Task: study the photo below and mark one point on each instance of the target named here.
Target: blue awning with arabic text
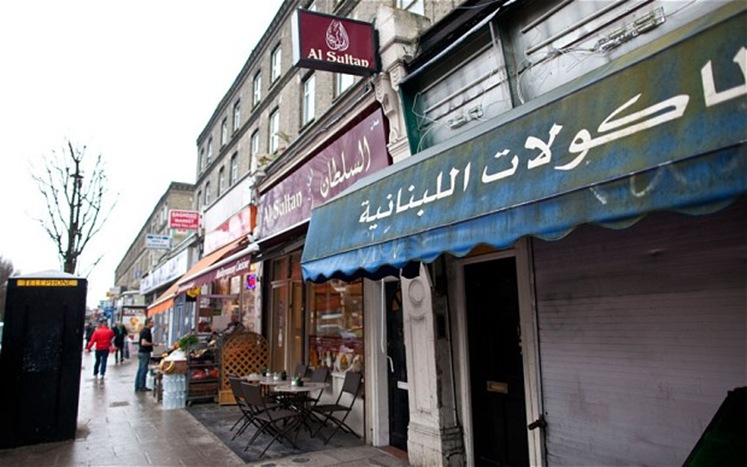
(662, 128)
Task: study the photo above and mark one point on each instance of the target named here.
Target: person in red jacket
(102, 338)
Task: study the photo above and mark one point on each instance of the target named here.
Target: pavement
(119, 427)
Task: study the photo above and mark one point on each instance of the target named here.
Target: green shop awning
(662, 128)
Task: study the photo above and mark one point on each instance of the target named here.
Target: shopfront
(570, 226)
(317, 324)
(224, 292)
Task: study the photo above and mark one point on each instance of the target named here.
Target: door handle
(539, 423)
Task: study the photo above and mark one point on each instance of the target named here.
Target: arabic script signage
(331, 43)
(683, 102)
(357, 153)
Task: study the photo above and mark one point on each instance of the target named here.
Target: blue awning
(662, 128)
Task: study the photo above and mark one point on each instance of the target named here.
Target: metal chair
(246, 411)
(301, 370)
(327, 412)
(276, 421)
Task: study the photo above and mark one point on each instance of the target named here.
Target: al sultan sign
(331, 43)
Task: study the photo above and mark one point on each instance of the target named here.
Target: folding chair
(246, 411)
(326, 412)
(276, 421)
(301, 370)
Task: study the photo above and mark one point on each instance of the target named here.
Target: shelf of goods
(203, 380)
(243, 352)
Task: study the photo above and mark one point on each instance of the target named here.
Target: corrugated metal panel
(642, 333)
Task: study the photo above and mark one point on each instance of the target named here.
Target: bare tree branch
(75, 202)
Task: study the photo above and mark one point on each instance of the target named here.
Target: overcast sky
(135, 81)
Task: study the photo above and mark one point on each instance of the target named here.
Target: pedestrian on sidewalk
(88, 333)
(145, 342)
(102, 338)
(119, 341)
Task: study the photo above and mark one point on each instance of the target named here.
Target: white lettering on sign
(237, 268)
(344, 59)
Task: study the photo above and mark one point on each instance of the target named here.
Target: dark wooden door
(399, 411)
(496, 368)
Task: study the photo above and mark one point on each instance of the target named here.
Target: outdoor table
(297, 397)
(265, 382)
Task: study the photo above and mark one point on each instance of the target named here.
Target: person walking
(119, 341)
(88, 332)
(145, 342)
(102, 338)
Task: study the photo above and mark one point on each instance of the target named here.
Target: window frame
(276, 63)
(221, 181)
(224, 131)
(257, 88)
(308, 99)
(340, 79)
(233, 174)
(236, 115)
(274, 131)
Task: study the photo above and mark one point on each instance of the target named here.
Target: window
(199, 200)
(236, 116)
(413, 6)
(274, 129)
(209, 151)
(221, 182)
(308, 107)
(234, 169)
(207, 194)
(223, 132)
(254, 150)
(255, 143)
(343, 81)
(336, 325)
(201, 161)
(275, 64)
(257, 88)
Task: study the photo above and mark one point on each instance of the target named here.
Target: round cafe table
(297, 399)
(266, 382)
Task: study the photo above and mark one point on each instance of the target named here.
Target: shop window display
(336, 326)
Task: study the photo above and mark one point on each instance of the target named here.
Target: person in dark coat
(88, 332)
(119, 342)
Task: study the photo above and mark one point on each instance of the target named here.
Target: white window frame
(224, 131)
(201, 160)
(308, 104)
(413, 6)
(221, 181)
(274, 131)
(237, 115)
(343, 82)
(209, 151)
(276, 63)
(257, 87)
(207, 194)
(254, 151)
(234, 173)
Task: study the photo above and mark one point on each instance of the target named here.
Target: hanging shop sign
(184, 220)
(332, 43)
(357, 153)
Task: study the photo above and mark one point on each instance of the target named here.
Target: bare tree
(75, 204)
(6, 271)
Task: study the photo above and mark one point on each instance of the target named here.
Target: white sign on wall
(159, 242)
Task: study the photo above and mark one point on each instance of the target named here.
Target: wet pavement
(119, 427)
